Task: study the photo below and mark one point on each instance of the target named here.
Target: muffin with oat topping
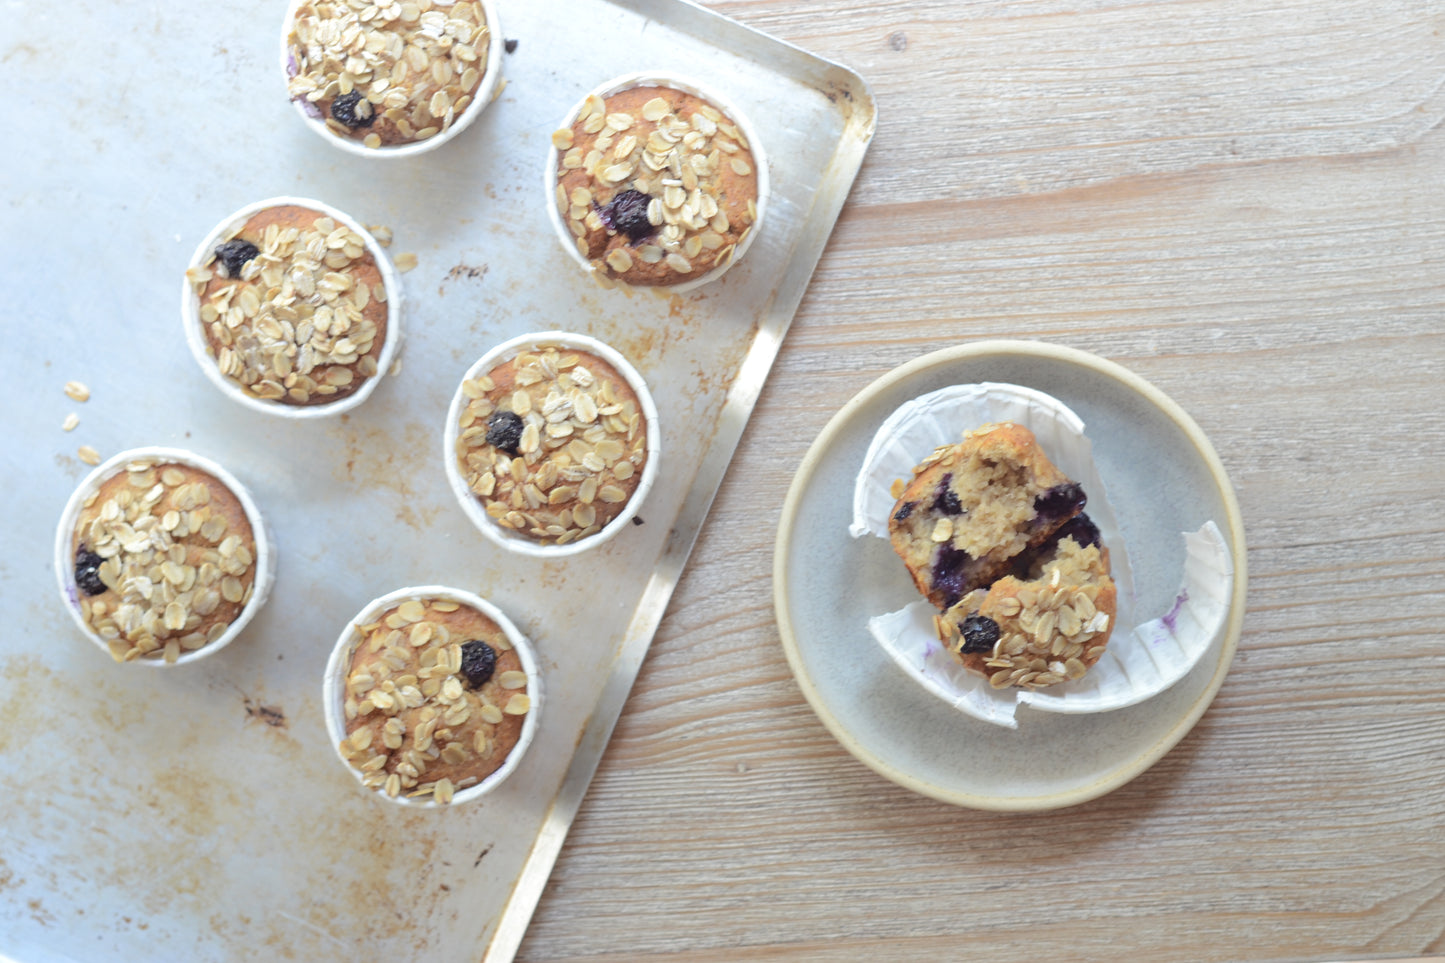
(994, 535)
(656, 183)
(432, 695)
(162, 556)
(292, 307)
(389, 78)
(1049, 622)
(552, 443)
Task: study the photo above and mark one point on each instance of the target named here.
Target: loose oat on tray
(293, 307)
(384, 73)
(553, 443)
(656, 185)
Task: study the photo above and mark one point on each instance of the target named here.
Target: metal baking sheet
(199, 813)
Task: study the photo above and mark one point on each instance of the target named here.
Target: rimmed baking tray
(200, 813)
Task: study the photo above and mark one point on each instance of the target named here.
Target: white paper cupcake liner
(504, 537)
(1141, 660)
(200, 348)
(333, 688)
(487, 91)
(265, 556)
(660, 79)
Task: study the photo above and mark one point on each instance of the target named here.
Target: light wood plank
(1242, 202)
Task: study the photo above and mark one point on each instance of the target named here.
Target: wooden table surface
(1242, 201)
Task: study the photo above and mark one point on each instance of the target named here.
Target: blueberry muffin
(1048, 623)
(390, 73)
(553, 443)
(973, 508)
(435, 699)
(293, 307)
(165, 560)
(656, 185)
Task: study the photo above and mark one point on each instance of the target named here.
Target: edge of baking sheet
(851, 94)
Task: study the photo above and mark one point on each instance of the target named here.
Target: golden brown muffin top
(293, 307)
(553, 443)
(388, 73)
(656, 185)
(172, 552)
(436, 697)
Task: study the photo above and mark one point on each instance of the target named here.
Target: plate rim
(975, 350)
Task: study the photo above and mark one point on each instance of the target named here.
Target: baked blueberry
(979, 634)
(234, 254)
(87, 571)
(945, 500)
(950, 573)
(626, 213)
(1081, 529)
(903, 512)
(1061, 501)
(504, 431)
(348, 110)
(479, 661)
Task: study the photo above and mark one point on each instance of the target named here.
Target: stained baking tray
(198, 813)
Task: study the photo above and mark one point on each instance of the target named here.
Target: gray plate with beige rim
(199, 812)
(1163, 479)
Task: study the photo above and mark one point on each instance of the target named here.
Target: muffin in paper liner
(488, 87)
(454, 437)
(263, 560)
(1142, 658)
(198, 274)
(603, 271)
(335, 692)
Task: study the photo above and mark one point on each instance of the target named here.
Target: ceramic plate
(1163, 477)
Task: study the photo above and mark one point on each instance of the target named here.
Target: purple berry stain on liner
(1172, 619)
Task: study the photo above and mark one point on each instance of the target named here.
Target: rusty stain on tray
(273, 716)
(461, 272)
(376, 460)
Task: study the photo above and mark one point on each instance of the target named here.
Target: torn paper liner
(1141, 661)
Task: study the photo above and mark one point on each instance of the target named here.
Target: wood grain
(1243, 202)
